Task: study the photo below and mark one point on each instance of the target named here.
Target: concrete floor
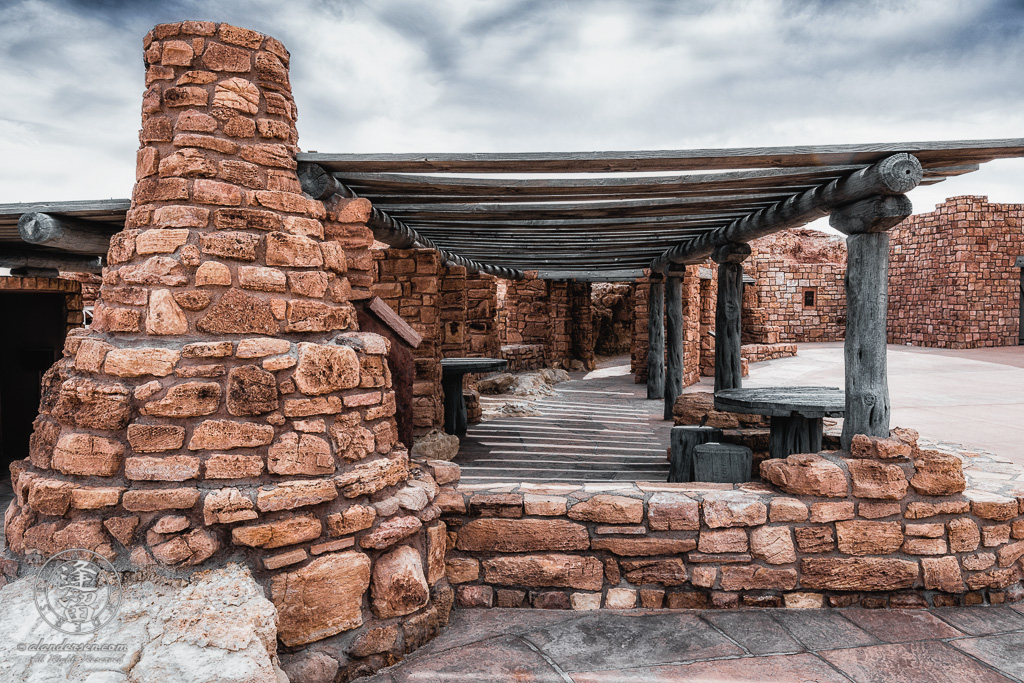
(949, 645)
(973, 397)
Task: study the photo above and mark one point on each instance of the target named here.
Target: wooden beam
(322, 185)
(526, 188)
(656, 339)
(728, 312)
(65, 233)
(621, 275)
(70, 263)
(894, 175)
(387, 315)
(659, 206)
(867, 289)
(673, 342)
(933, 153)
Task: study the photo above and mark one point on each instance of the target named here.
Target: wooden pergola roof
(591, 225)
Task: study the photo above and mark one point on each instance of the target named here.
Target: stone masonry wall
(555, 316)
(408, 280)
(786, 267)
(886, 525)
(223, 405)
(952, 280)
(481, 316)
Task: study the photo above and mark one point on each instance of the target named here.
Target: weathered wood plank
(389, 317)
(622, 275)
(71, 263)
(939, 153)
(656, 339)
(673, 342)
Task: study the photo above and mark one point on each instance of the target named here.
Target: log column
(674, 338)
(867, 291)
(656, 338)
(728, 364)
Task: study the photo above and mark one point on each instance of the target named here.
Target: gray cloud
(527, 75)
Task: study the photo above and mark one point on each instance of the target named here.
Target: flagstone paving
(955, 645)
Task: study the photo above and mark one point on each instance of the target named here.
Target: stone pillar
(224, 404)
(656, 338)
(673, 339)
(867, 288)
(728, 314)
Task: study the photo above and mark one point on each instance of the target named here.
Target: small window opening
(808, 298)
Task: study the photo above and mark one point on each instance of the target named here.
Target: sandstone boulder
(938, 474)
(399, 586)
(215, 627)
(805, 474)
(436, 446)
(321, 599)
(876, 480)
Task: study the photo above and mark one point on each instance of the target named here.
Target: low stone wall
(753, 353)
(886, 525)
(523, 357)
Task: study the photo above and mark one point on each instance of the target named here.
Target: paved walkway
(599, 426)
(954, 645)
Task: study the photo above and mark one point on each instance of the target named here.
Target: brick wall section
(408, 280)
(905, 537)
(708, 298)
(453, 304)
(223, 403)
(952, 283)
(72, 290)
(481, 316)
(555, 316)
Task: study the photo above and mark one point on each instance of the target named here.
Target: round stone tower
(224, 406)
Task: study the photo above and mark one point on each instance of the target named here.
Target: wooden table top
(784, 401)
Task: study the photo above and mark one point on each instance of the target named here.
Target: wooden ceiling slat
(946, 153)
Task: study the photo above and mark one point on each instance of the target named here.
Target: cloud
(532, 75)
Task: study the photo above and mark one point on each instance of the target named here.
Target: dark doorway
(32, 329)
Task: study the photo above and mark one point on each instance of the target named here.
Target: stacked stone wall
(408, 280)
(952, 279)
(888, 524)
(453, 300)
(481, 316)
(555, 316)
(798, 294)
(223, 405)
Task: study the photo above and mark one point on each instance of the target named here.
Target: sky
(532, 75)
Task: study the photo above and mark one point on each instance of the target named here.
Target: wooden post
(728, 311)
(674, 340)
(867, 291)
(656, 338)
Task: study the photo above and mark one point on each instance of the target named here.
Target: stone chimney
(224, 406)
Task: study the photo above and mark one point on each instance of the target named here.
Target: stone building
(234, 400)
